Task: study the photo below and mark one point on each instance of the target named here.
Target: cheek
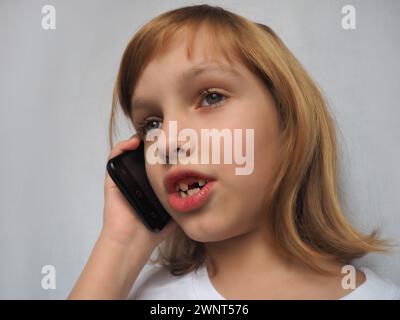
(265, 159)
(240, 199)
(244, 192)
(154, 172)
(261, 156)
(266, 146)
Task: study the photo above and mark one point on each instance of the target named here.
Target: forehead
(187, 54)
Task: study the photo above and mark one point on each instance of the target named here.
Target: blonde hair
(304, 213)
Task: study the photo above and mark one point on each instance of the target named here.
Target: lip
(192, 202)
(174, 176)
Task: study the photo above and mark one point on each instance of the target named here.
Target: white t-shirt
(156, 283)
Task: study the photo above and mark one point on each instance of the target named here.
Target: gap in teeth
(189, 193)
(190, 186)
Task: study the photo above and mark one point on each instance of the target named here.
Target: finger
(131, 144)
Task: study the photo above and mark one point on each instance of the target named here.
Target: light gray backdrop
(55, 96)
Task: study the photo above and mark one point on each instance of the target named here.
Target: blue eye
(212, 97)
(147, 125)
(150, 124)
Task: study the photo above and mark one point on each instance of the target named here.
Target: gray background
(55, 96)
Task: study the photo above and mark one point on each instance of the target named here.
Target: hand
(121, 222)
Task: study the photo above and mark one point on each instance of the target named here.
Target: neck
(253, 251)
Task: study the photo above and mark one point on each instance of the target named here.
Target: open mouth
(188, 190)
(190, 186)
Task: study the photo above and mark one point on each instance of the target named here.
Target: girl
(277, 233)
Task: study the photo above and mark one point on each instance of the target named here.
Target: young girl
(277, 233)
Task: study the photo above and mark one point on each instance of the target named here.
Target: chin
(206, 232)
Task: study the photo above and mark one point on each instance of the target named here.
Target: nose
(169, 152)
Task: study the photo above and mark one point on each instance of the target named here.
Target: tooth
(193, 191)
(202, 182)
(183, 194)
(177, 188)
(183, 186)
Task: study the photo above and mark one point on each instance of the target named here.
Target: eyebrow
(203, 68)
(186, 76)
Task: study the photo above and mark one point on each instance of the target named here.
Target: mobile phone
(128, 172)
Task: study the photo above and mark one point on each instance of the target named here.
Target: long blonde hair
(302, 208)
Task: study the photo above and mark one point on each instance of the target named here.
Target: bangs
(220, 40)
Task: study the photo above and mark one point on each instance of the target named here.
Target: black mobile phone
(128, 172)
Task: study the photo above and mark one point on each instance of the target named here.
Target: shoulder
(375, 287)
(155, 282)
